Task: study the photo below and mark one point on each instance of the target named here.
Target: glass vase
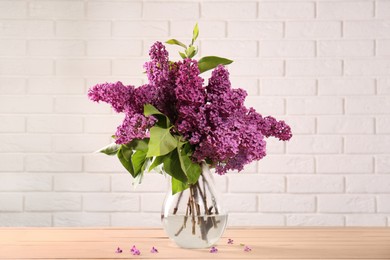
(194, 218)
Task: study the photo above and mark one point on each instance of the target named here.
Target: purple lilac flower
(213, 250)
(130, 101)
(219, 82)
(213, 118)
(157, 69)
(134, 126)
(269, 126)
(247, 249)
(230, 241)
(190, 96)
(165, 100)
(153, 250)
(134, 250)
(115, 94)
(118, 250)
(162, 76)
(231, 137)
(145, 94)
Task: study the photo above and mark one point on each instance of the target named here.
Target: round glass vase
(194, 218)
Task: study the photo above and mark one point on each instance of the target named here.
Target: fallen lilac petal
(230, 241)
(247, 249)
(133, 249)
(153, 250)
(136, 252)
(213, 250)
(118, 250)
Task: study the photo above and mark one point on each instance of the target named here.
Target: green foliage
(124, 155)
(178, 186)
(172, 166)
(138, 144)
(190, 52)
(161, 141)
(133, 156)
(210, 62)
(138, 160)
(151, 110)
(195, 33)
(163, 120)
(157, 161)
(183, 55)
(191, 170)
(110, 149)
(176, 42)
(164, 149)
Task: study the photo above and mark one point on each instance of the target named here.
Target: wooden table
(266, 243)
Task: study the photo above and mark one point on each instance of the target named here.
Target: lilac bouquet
(178, 122)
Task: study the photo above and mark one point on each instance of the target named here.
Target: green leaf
(190, 52)
(125, 160)
(126, 153)
(178, 186)
(151, 110)
(176, 42)
(138, 160)
(138, 144)
(157, 161)
(161, 141)
(195, 33)
(110, 149)
(173, 168)
(163, 120)
(210, 62)
(191, 169)
(182, 55)
(193, 53)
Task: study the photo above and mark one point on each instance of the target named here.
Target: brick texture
(323, 66)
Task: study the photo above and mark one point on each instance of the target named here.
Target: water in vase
(200, 232)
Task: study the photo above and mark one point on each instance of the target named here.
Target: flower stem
(204, 219)
(177, 203)
(192, 203)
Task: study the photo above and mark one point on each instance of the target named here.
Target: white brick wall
(322, 65)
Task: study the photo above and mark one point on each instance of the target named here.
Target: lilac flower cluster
(162, 80)
(212, 118)
(215, 120)
(116, 94)
(129, 100)
(190, 101)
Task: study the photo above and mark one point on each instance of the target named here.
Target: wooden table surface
(266, 243)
